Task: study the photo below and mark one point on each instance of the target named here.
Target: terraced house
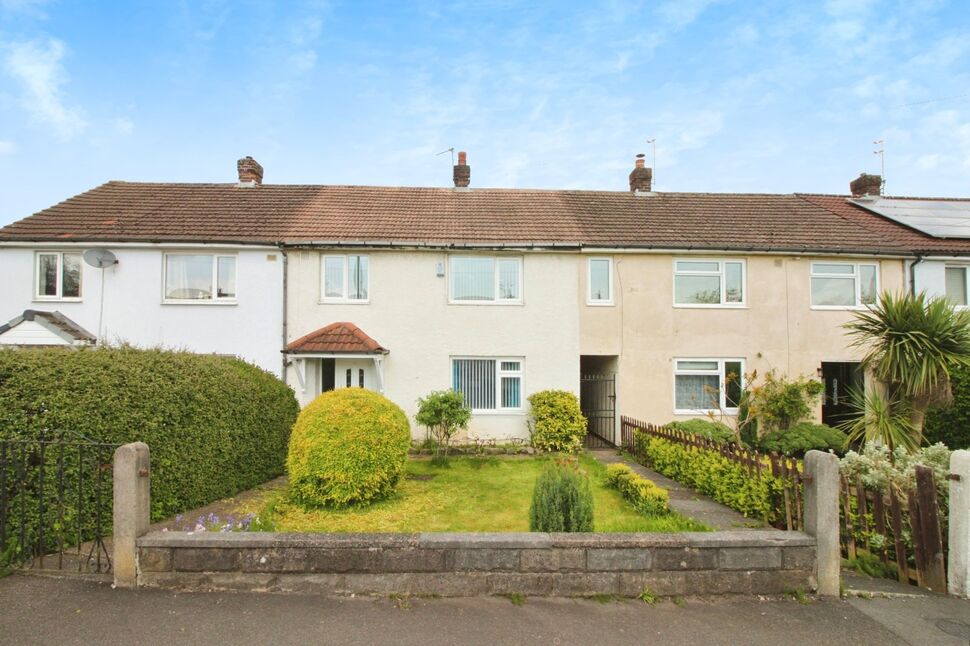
(641, 302)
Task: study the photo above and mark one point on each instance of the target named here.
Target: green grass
(471, 494)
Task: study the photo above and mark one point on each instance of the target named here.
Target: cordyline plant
(911, 344)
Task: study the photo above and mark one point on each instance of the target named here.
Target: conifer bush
(348, 447)
(562, 500)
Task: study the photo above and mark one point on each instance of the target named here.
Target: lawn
(471, 494)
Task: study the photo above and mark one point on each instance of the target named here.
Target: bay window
(705, 385)
(488, 384)
(58, 276)
(485, 279)
(201, 278)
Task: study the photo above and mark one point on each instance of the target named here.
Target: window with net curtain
(844, 284)
(707, 384)
(346, 278)
(956, 285)
(200, 277)
(58, 275)
(488, 384)
(485, 279)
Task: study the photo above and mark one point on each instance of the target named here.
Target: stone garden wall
(454, 565)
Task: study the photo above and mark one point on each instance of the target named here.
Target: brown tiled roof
(124, 211)
(911, 239)
(337, 338)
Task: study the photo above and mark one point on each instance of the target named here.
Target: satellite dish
(100, 258)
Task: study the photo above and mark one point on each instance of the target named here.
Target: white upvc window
(485, 279)
(489, 384)
(956, 285)
(57, 276)
(844, 285)
(599, 281)
(707, 282)
(707, 385)
(199, 278)
(345, 279)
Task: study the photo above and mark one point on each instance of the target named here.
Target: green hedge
(713, 475)
(951, 424)
(803, 437)
(645, 496)
(709, 429)
(215, 425)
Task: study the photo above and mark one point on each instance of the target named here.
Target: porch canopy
(340, 340)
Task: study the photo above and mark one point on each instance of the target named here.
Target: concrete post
(131, 509)
(822, 518)
(959, 543)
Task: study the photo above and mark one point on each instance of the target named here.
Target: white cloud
(680, 13)
(27, 6)
(124, 125)
(38, 67)
(7, 147)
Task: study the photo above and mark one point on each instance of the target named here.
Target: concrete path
(685, 500)
(35, 610)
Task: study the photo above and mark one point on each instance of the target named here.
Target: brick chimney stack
(866, 184)
(249, 171)
(462, 172)
(641, 177)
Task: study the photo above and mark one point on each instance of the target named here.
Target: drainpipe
(283, 348)
(912, 274)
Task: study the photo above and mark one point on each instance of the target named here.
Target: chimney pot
(641, 177)
(462, 172)
(250, 171)
(866, 184)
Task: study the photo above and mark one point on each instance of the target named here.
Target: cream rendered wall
(777, 328)
(408, 313)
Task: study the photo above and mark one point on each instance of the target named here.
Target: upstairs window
(599, 278)
(839, 285)
(345, 279)
(200, 278)
(956, 285)
(702, 283)
(483, 279)
(58, 276)
(703, 385)
(488, 384)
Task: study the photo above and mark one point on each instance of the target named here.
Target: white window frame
(345, 288)
(215, 299)
(499, 373)
(495, 300)
(966, 272)
(722, 392)
(722, 273)
(60, 277)
(858, 305)
(607, 302)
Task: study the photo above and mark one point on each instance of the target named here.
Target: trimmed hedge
(804, 437)
(645, 496)
(951, 424)
(713, 475)
(711, 430)
(562, 501)
(215, 425)
(349, 446)
(558, 422)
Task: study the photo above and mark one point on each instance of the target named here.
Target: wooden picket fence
(904, 529)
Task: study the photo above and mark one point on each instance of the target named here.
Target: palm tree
(911, 344)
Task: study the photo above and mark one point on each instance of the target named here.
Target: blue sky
(741, 96)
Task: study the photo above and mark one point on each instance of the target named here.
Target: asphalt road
(36, 610)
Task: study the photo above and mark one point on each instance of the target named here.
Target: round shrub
(804, 437)
(215, 425)
(705, 428)
(562, 501)
(349, 446)
(558, 424)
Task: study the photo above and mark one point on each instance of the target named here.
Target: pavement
(42, 610)
(683, 499)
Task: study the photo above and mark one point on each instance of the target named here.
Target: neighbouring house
(641, 302)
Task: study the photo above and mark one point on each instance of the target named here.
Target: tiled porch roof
(336, 338)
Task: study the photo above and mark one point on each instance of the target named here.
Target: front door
(327, 376)
(840, 379)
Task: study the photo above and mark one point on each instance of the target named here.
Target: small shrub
(349, 446)
(562, 501)
(804, 437)
(778, 403)
(443, 412)
(645, 496)
(711, 430)
(557, 423)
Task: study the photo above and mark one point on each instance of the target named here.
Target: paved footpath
(684, 500)
(36, 610)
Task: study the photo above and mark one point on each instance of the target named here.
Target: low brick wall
(454, 565)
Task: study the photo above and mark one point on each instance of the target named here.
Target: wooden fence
(905, 530)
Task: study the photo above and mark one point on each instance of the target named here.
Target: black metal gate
(597, 398)
(55, 503)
